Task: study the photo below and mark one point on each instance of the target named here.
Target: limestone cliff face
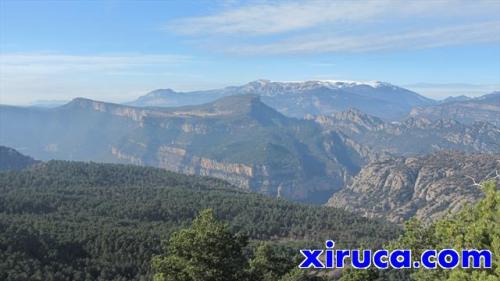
(426, 187)
(127, 158)
(272, 181)
(252, 177)
(135, 114)
(179, 160)
(237, 138)
(241, 140)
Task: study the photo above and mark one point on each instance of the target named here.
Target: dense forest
(64, 220)
(209, 251)
(85, 221)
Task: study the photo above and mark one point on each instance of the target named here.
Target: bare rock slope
(425, 187)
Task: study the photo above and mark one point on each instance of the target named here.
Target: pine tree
(207, 251)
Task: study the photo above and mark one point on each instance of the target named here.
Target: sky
(118, 50)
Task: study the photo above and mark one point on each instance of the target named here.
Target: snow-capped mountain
(300, 98)
(270, 88)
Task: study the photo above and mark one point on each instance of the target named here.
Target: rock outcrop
(425, 187)
(238, 138)
(485, 108)
(415, 135)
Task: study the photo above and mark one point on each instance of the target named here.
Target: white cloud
(334, 26)
(437, 37)
(276, 18)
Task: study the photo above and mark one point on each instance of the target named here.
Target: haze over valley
(303, 141)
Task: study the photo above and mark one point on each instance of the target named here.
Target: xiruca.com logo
(331, 258)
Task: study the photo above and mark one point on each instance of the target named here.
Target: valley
(241, 139)
(282, 176)
(237, 138)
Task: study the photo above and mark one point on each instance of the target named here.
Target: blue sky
(118, 50)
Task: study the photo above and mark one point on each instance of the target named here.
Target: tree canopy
(206, 251)
(86, 221)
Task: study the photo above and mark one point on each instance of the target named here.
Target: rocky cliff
(237, 138)
(485, 108)
(415, 135)
(425, 187)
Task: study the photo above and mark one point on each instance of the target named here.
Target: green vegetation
(86, 221)
(208, 251)
(476, 227)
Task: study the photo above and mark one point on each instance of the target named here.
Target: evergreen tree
(207, 251)
(301, 275)
(268, 264)
(473, 228)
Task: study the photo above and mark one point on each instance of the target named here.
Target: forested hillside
(11, 159)
(86, 221)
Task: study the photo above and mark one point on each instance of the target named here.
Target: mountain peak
(352, 83)
(159, 97)
(79, 101)
(261, 82)
(357, 117)
(247, 105)
(11, 159)
(455, 99)
(299, 98)
(239, 103)
(491, 96)
(160, 93)
(85, 103)
(319, 83)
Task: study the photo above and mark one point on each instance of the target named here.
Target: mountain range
(237, 138)
(304, 141)
(297, 99)
(466, 110)
(414, 135)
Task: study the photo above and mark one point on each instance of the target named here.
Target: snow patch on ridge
(334, 84)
